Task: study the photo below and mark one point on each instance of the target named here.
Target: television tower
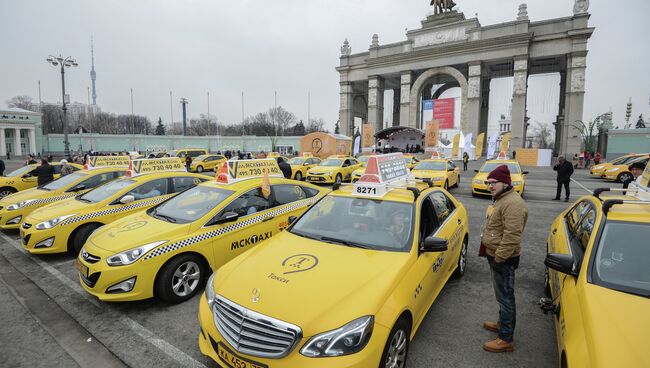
(93, 75)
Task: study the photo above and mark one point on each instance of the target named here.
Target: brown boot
(491, 326)
(498, 346)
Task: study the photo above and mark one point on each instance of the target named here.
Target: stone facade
(454, 51)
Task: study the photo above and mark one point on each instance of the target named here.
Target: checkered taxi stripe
(115, 210)
(226, 229)
(35, 202)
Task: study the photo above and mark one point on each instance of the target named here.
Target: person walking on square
(188, 162)
(465, 160)
(501, 241)
(564, 171)
(597, 158)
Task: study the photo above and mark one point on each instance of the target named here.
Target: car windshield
(20, 171)
(627, 160)
(359, 222)
(489, 166)
(172, 153)
(623, 265)
(64, 181)
(364, 159)
(331, 163)
(431, 165)
(105, 191)
(191, 204)
(296, 161)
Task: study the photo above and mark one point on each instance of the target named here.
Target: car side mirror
(433, 245)
(525, 172)
(127, 199)
(564, 263)
(450, 169)
(476, 171)
(225, 218)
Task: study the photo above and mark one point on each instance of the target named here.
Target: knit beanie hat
(502, 174)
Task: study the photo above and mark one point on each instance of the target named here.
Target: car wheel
(298, 175)
(457, 182)
(397, 346)
(199, 169)
(446, 185)
(5, 191)
(81, 235)
(180, 278)
(623, 177)
(339, 179)
(462, 261)
(547, 283)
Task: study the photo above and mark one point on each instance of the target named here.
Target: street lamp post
(64, 63)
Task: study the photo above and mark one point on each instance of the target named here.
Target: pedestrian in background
(188, 162)
(587, 159)
(30, 160)
(597, 158)
(45, 173)
(576, 161)
(564, 171)
(465, 160)
(66, 169)
(501, 241)
(284, 167)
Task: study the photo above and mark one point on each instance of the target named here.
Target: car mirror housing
(225, 218)
(434, 245)
(127, 199)
(564, 263)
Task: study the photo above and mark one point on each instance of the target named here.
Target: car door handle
(460, 221)
(554, 231)
(268, 218)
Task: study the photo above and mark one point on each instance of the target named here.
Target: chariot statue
(442, 6)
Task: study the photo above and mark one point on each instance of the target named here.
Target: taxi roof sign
(435, 155)
(502, 156)
(148, 166)
(383, 172)
(238, 170)
(97, 162)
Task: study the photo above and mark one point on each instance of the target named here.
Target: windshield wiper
(344, 242)
(80, 198)
(155, 214)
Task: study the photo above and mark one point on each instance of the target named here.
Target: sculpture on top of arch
(440, 6)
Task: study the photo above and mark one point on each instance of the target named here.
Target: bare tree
(544, 135)
(315, 125)
(282, 119)
(21, 102)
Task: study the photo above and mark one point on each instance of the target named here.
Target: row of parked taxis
(618, 168)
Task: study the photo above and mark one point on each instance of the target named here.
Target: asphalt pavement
(48, 320)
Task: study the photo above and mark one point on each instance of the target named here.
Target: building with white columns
(452, 51)
(20, 132)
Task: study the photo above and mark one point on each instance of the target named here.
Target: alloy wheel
(186, 278)
(396, 357)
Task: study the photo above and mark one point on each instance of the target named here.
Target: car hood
(326, 169)
(359, 171)
(617, 327)
(429, 173)
(61, 208)
(135, 230)
(309, 283)
(23, 195)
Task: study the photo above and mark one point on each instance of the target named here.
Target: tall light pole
(64, 63)
(209, 122)
(132, 120)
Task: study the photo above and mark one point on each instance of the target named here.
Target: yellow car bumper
(37, 241)
(10, 220)
(320, 179)
(210, 339)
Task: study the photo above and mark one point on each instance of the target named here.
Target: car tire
(623, 177)
(81, 235)
(199, 169)
(338, 179)
(462, 261)
(457, 182)
(446, 185)
(180, 278)
(547, 283)
(397, 345)
(298, 176)
(5, 191)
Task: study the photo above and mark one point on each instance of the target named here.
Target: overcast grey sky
(258, 47)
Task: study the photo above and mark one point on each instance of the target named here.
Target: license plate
(82, 268)
(234, 361)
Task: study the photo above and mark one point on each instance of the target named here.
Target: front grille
(252, 333)
(26, 225)
(26, 239)
(90, 280)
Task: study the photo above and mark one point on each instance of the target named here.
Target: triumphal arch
(453, 51)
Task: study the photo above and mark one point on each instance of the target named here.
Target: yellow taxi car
(598, 280)
(65, 226)
(518, 177)
(14, 208)
(210, 162)
(363, 160)
(192, 152)
(169, 250)
(621, 172)
(598, 170)
(444, 173)
(26, 177)
(300, 166)
(335, 169)
(411, 161)
(346, 285)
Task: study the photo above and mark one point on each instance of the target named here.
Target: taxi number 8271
(366, 190)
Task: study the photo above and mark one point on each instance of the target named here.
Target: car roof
(165, 174)
(255, 182)
(397, 195)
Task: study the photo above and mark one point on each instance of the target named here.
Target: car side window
(574, 216)
(346, 163)
(584, 230)
(150, 189)
(248, 203)
(185, 182)
(97, 180)
(428, 222)
(287, 193)
(450, 165)
(442, 206)
(315, 160)
(353, 162)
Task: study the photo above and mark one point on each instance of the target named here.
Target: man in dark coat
(564, 171)
(45, 173)
(285, 167)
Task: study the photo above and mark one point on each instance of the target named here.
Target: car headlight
(613, 170)
(439, 178)
(129, 256)
(51, 223)
(209, 290)
(477, 181)
(516, 183)
(19, 205)
(349, 339)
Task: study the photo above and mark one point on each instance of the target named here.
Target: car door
(29, 180)
(145, 195)
(450, 228)
(452, 171)
(284, 198)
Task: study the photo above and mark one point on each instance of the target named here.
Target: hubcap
(396, 357)
(199, 169)
(338, 179)
(463, 258)
(186, 278)
(5, 193)
(625, 177)
(298, 176)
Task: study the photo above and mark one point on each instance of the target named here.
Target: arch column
(376, 102)
(519, 93)
(32, 141)
(18, 151)
(3, 143)
(472, 106)
(346, 115)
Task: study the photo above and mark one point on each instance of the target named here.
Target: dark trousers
(503, 281)
(464, 166)
(566, 189)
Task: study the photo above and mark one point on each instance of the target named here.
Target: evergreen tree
(337, 128)
(160, 128)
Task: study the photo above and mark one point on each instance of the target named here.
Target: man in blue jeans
(501, 238)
